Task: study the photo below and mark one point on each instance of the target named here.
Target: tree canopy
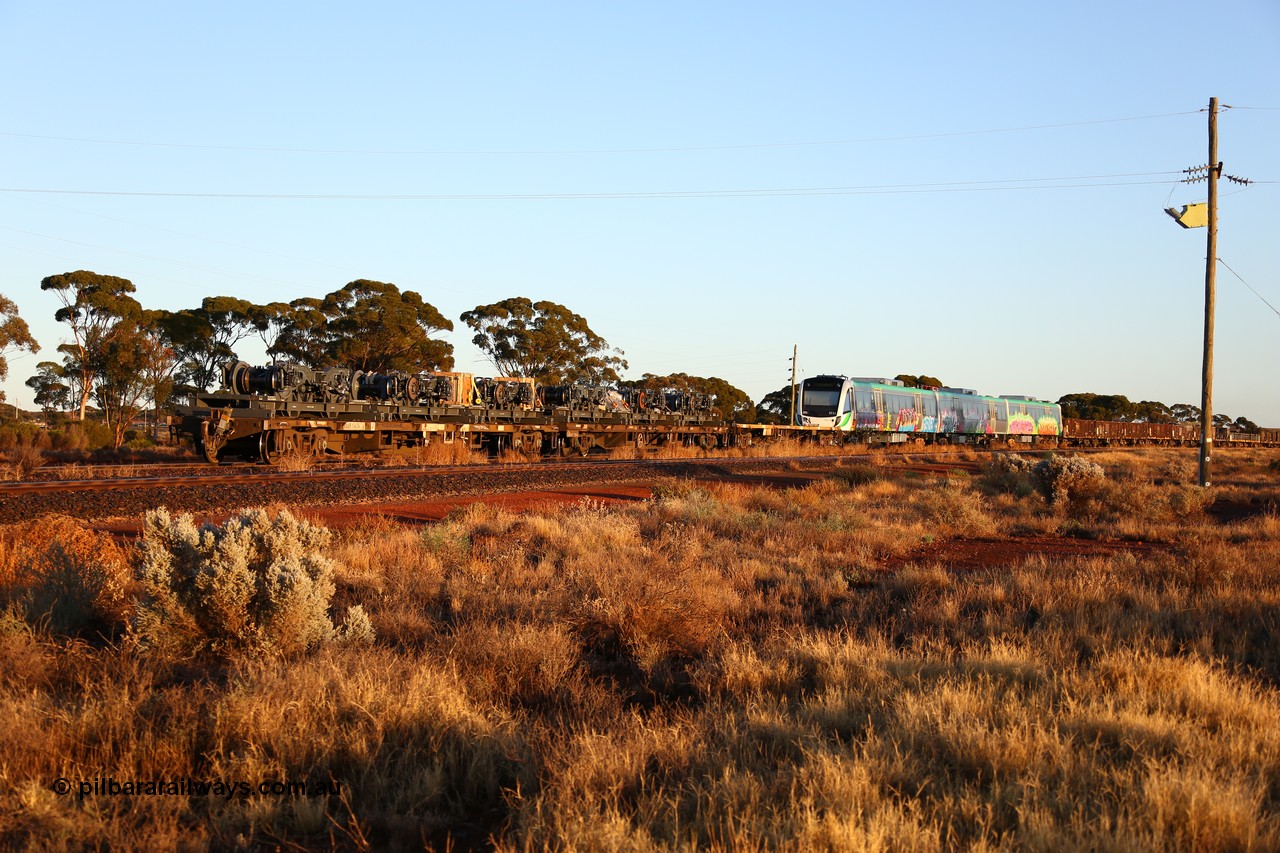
(117, 352)
(93, 306)
(921, 381)
(204, 339)
(775, 408)
(1117, 407)
(373, 326)
(366, 325)
(51, 386)
(542, 340)
(14, 335)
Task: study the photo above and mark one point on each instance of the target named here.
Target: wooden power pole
(795, 351)
(1211, 263)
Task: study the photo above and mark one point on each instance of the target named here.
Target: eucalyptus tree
(542, 340)
(15, 336)
(376, 327)
(204, 339)
(95, 307)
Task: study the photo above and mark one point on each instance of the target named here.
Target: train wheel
(273, 446)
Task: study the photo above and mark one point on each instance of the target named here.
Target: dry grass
(24, 458)
(722, 667)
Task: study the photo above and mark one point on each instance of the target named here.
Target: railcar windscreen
(819, 402)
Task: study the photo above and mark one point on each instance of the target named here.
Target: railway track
(110, 498)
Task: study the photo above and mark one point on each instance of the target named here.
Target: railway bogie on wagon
(267, 413)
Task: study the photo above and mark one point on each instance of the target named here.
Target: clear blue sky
(972, 191)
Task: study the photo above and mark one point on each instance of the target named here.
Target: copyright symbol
(61, 786)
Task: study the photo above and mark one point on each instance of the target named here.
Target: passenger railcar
(885, 410)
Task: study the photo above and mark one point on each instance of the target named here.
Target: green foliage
(775, 408)
(204, 338)
(53, 390)
(921, 381)
(252, 586)
(88, 435)
(135, 369)
(1243, 424)
(1117, 407)
(373, 326)
(16, 433)
(14, 335)
(542, 340)
(366, 325)
(116, 351)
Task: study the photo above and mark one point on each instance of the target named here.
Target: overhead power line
(574, 151)
(880, 189)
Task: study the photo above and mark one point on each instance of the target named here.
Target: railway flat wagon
(267, 414)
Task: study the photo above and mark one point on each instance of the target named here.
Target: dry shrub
(254, 585)
(858, 475)
(25, 661)
(25, 457)
(295, 462)
(675, 450)
(668, 611)
(456, 452)
(58, 571)
(1138, 504)
(1008, 473)
(952, 507)
(913, 582)
(528, 664)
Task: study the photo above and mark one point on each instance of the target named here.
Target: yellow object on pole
(1191, 215)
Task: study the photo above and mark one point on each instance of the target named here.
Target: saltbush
(256, 585)
(1058, 479)
(1009, 474)
(1064, 478)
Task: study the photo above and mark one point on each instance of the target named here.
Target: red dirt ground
(960, 554)
(419, 513)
